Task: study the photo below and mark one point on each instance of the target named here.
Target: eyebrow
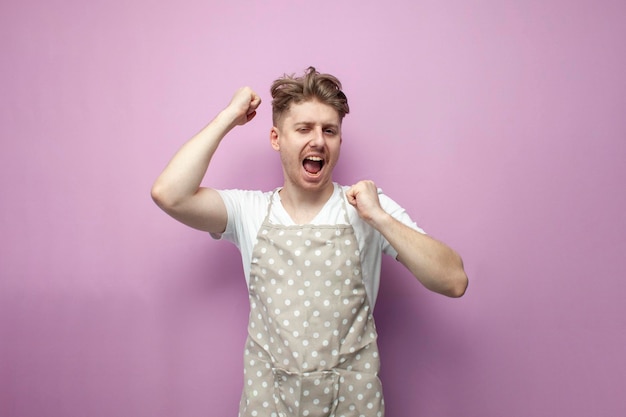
(308, 124)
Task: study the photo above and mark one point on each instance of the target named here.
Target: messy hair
(312, 85)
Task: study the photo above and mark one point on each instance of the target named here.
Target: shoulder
(234, 198)
(246, 210)
(389, 205)
(386, 202)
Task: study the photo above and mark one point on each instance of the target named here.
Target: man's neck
(303, 205)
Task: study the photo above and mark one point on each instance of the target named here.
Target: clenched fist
(364, 197)
(244, 104)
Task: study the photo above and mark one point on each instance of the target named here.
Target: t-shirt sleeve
(400, 214)
(245, 211)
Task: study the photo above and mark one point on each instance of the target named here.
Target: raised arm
(434, 264)
(177, 189)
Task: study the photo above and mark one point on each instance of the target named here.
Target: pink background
(500, 125)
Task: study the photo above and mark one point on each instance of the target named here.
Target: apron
(311, 349)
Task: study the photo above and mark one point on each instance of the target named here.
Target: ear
(274, 133)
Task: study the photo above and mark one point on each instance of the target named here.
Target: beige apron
(311, 349)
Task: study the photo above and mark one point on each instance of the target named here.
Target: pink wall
(499, 125)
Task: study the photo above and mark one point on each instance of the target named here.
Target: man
(311, 251)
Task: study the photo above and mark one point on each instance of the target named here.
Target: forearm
(434, 264)
(182, 176)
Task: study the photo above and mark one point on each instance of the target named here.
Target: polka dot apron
(311, 349)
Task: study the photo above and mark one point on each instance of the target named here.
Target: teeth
(314, 158)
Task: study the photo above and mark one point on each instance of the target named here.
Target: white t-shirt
(247, 210)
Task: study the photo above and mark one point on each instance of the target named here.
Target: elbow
(458, 281)
(459, 286)
(161, 198)
(156, 192)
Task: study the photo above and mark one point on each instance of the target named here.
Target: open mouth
(313, 164)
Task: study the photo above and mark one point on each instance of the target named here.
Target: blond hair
(312, 85)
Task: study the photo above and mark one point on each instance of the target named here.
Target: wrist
(379, 220)
(227, 119)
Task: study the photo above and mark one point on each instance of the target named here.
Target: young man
(311, 251)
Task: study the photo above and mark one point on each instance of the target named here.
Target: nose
(317, 137)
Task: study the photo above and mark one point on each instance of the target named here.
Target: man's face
(308, 138)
